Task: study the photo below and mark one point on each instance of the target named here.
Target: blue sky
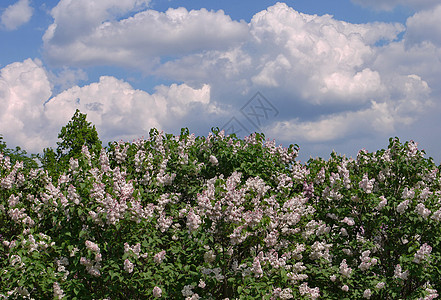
(327, 75)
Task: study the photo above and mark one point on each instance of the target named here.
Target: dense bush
(219, 217)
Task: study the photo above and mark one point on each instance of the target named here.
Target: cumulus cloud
(330, 80)
(32, 118)
(138, 41)
(24, 88)
(391, 4)
(424, 26)
(16, 15)
(317, 58)
(121, 112)
(412, 96)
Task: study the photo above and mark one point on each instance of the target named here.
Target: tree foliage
(76, 134)
(18, 154)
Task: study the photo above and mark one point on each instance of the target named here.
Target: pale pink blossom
(157, 292)
(399, 274)
(349, 221)
(193, 221)
(422, 254)
(367, 185)
(367, 294)
(312, 293)
(408, 193)
(209, 256)
(257, 269)
(380, 285)
(201, 284)
(128, 266)
(213, 160)
(382, 203)
(92, 246)
(58, 292)
(344, 269)
(422, 210)
(159, 257)
(402, 206)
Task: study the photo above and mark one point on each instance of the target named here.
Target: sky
(338, 75)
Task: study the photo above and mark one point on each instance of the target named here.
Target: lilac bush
(185, 217)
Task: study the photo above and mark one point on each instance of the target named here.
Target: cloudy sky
(341, 74)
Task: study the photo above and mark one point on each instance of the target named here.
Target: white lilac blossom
(422, 210)
(349, 221)
(344, 173)
(136, 249)
(193, 221)
(209, 256)
(312, 293)
(422, 254)
(380, 285)
(408, 193)
(128, 266)
(399, 274)
(367, 294)
(283, 294)
(320, 250)
(201, 284)
(159, 257)
(382, 203)
(367, 185)
(366, 261)
(425, 193)
(345, 270)
(402, 206)
(213, 160)
(256, 268)
(157, 292)
(58, 292)
(187, 291)
(436, 215)
(92, 267)
(92, 246)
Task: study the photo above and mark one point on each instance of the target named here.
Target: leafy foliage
(18, 154)
(184, 216)
(74, 136)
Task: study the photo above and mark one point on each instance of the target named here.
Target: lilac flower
(157, 292)
(128, 266)
(159, 257)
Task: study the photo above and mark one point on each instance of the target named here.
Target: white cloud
(121, 112)
(381, 118)
(137, 41)
(16, 15)
(424, 26)
(24, 88)
(30, 118)
(317, 58)
(73, 19)
(391, 4)
(332, 81)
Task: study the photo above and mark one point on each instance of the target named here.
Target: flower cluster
(217, 217)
